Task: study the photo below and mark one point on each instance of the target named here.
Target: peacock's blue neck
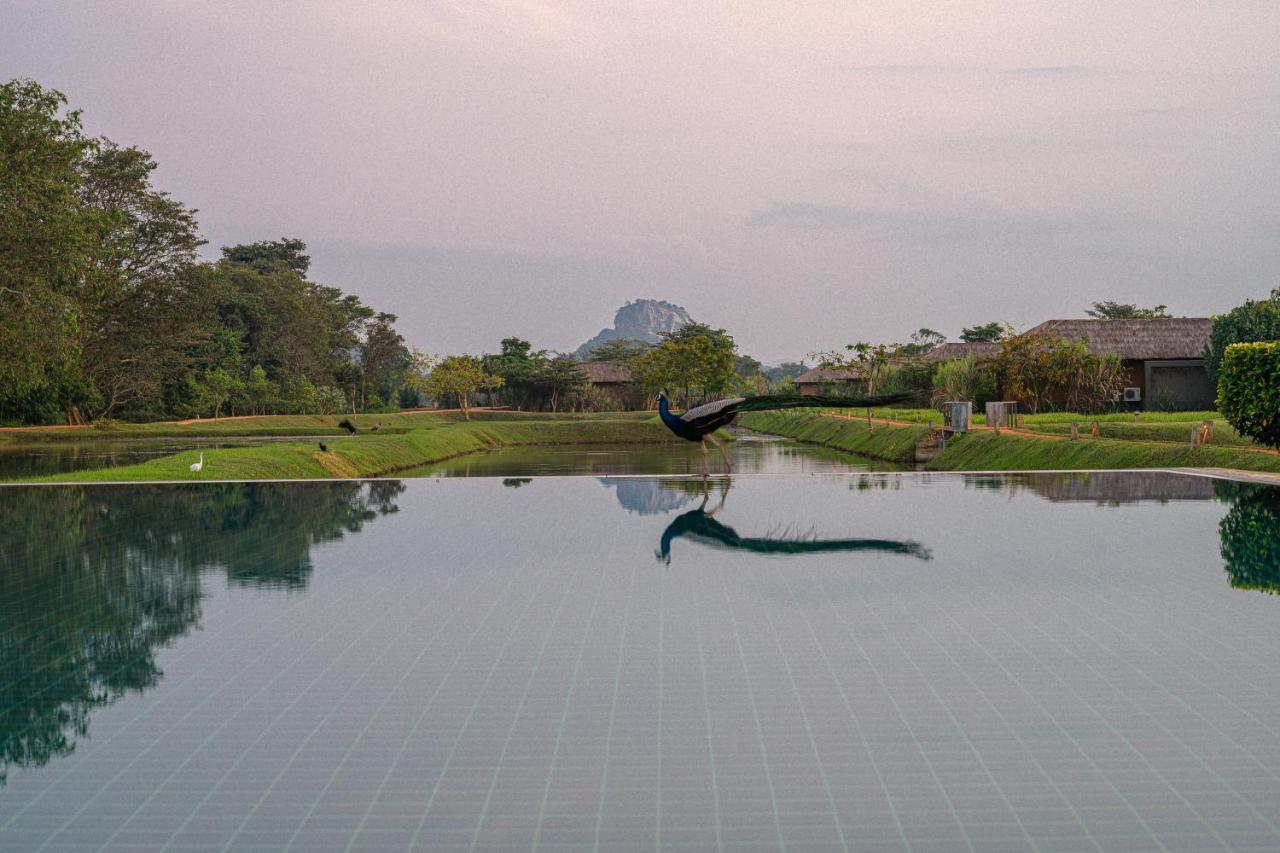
(664, 412)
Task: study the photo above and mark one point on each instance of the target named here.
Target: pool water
(882, 661)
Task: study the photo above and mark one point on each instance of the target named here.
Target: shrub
(1255, 320)
(1250, 536)
(1249, 390)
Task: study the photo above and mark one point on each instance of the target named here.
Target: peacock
(698, 423)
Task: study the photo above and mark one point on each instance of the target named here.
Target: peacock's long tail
(797, 401)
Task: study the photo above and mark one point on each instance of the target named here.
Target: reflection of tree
(1250, 535)
(96, 579)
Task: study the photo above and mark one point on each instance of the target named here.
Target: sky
(803, 174)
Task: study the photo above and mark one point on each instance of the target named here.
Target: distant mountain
(641, 320)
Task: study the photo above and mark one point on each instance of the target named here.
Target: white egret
(197, 467)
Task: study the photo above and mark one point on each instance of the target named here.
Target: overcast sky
(803, 174)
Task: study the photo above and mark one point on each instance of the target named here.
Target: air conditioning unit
(1133, 395)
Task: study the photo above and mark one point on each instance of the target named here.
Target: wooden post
(1136, 414)
(1094, 431)
(1075, 430)
(870, 428)
(1195, 432)
(1208, 431)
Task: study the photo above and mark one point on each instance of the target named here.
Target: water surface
(876, 661)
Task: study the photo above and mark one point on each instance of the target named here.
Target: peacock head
(661, 393)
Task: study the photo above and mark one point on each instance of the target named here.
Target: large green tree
(1255, 320)
(52, 241)
(1110, 310)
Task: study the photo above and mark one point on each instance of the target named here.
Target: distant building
(1163, 359)
(947, 352)
(831, 380)
(614, 380)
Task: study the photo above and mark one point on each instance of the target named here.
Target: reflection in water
(1250, 535)
(1104, 488)
(699, 526)
(647, 496)
(96, 579)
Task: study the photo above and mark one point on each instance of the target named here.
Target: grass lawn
(369, 454)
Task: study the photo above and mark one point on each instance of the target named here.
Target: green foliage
(106, 311)
(1249, 390)
(51, 240)
(1038, 369)
(986, 333)
(288, 251)
(1255, 320)
(960, 379)
(922, 341)
(458, 377)
(1110, 310)
(1250, 536)
(620, 351)
(786, 370)
(695, 361)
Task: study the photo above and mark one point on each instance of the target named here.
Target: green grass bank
(372, 455)
(984, 451)
(891, 443)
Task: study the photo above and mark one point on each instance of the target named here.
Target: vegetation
(535, 381)
(960, 379)
(368, 455)
(984, 334)
(1037, 368)
(1250, 535)
(1249, 390)
(694, 361)
(106, 311)
(109, 577)
(1126, 311)
(984, 451)
(1255, 320)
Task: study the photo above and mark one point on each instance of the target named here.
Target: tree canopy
(984, 334)
(107, 311)
(1110, 310)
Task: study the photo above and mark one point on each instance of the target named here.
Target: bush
(1249, 390)
(1250, 536)
(1255, 320)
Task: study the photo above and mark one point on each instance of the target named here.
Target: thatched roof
(605, 372)
(946, 352)
(824, 375)
(1138, 340)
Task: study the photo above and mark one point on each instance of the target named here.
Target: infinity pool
(875, 661)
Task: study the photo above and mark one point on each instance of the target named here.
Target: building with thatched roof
(614, 381)
(606, 373)
(946, 352)
(831, 380)
(1163, 358)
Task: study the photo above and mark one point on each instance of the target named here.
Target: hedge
(1249, 390)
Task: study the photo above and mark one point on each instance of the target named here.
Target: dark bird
(698, 526)
(346, 424)
(698, 424)
(323, 448)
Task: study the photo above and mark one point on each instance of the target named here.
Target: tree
(1255, 320)
(383, 358)
(559, 377)
(693, 357)
(922, 341)
(871, 362)
(287, 250)
(786, 370)
(460, 376)
(1249, 390)
(1125, 311)
(51, 240)
(147, 309)
(620, 350)
(984, 334)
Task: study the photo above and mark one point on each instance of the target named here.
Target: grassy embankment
(368, 455)
(984, 451)
(287, 425)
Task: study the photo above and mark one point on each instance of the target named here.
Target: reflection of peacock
(698, 424)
